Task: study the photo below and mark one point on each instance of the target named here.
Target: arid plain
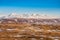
(29, 30)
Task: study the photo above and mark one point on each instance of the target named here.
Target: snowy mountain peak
(13, 14)
(36, 16)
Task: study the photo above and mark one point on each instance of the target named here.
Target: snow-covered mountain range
(29, 18)
(35, 16)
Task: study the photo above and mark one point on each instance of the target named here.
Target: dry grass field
(29, 32)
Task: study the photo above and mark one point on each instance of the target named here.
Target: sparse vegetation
(29, 32)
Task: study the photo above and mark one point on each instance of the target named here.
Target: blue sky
(51, 7)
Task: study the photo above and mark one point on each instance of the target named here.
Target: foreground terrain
(27, 31)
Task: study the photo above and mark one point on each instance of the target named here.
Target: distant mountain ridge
(32, 19)
(35, 16)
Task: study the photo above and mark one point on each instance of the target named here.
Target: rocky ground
(29, 32)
